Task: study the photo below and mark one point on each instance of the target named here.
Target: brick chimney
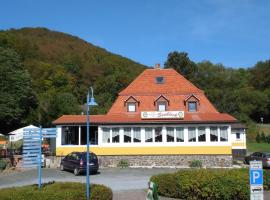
(157, 66)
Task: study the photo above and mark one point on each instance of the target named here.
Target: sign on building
(162, 115)
(256, 180)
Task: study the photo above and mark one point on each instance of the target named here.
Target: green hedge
(207, 184)
(56, 191)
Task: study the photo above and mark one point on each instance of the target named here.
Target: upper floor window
(131, 107)
(192, 102)
(238, 136)
(161, 103)
(159, 79)
(192, 106)
(161, 106)
(131, 103)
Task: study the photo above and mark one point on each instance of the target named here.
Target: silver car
(263, 156)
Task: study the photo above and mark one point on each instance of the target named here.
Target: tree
(258, 138)
(181, 63)
(17, 96)
(263, 137)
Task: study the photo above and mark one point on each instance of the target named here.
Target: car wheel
(76, 172)
(62, 167)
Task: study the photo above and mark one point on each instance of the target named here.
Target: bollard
(152, 193)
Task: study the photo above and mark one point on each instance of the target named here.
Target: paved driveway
(117, 179)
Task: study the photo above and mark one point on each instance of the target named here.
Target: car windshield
(267, 155)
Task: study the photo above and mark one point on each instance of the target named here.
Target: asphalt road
(117, 179)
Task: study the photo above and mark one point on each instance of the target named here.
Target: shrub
(56, 191)
(266, 179)
(195, 164)
(204, 184)
(3, 165)
(123, 163)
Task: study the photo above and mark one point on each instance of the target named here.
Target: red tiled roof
(136, 118)
(174, 83)
(145, 89)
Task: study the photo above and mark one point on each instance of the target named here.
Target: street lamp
(90, 102)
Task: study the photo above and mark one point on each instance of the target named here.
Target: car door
(66, 161)
(74, 161)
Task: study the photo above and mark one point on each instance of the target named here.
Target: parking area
(115, 178)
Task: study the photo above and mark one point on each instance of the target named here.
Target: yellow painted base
(242, 144)
(61, 151)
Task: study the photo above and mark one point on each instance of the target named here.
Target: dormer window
(161, 106)
(131, 103)
(161, 103)
(159, 79)
(131, 107)
(192, 106)
(192, 103)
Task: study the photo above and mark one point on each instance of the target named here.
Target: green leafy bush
(3, 165)
(123, 163)
(266, 179)
(204, 184)
(56, 191)
(195, 164)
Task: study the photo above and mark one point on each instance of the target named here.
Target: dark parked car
(264, 157)
(76, 162)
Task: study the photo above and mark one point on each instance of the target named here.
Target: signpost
(32, 152)
(256, 180)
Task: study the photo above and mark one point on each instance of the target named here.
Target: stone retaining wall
(177, 161)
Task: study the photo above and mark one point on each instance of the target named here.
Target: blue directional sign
(32, 140)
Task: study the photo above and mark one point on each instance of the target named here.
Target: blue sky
(233, 32)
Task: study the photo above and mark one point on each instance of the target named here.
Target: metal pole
(39, 159)
(87, 152)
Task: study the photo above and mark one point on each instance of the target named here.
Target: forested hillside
(45, 74)
(242, 92)
(61, 68)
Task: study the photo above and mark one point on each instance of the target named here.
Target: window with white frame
(105, 135)
(115, 135)
(148, 134)
(170, 134)
(161, 106)
(179, 132)
(137, 134)
(238, 136)
(191, 134)
(201, 134)
(131, 106)
(127, 135)
(158, 134)
(224, 134)
(213, 134)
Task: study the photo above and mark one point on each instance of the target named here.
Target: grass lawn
(252, 147)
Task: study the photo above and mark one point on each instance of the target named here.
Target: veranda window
(192, 134)
(137, 135)
(170, 134)
(224, 134)
(213, 134)
(105, 135)
(179, 134)
(148, 134)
